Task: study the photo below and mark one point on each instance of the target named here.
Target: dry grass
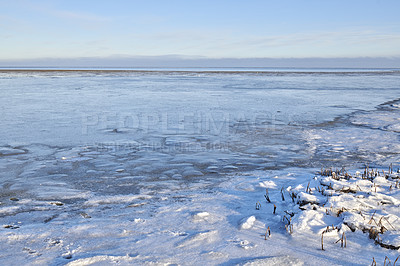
(267, 195)
(268, 232)
(343, 241)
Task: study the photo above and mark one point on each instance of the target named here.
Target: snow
(247, 223)
(268, 184)
(98, 260)
(184, 179)
(278, 260)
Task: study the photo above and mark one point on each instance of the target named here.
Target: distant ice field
(167, 124)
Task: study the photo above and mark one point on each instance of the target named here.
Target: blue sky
(215, 29)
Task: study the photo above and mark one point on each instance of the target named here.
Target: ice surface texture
(157, 167)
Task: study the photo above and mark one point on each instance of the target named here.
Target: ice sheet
(142, 168)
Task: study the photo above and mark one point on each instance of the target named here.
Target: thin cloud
(351, 37)
(78, 16)
(216, 43)
(69, 15)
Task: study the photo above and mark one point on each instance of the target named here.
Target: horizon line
(181, 61)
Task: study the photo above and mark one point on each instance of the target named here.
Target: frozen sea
(161, 166)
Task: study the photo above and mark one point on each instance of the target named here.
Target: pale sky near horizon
(216, 29)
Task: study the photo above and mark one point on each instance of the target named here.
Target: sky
(195, 29)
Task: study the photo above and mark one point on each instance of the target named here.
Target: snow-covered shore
(221, 225)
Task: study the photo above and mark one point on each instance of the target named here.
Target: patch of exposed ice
(6, 151)
(102, 200)
(192, 173)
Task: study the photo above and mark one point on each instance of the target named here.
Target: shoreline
(209, 70)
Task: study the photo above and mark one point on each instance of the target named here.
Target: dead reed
(268, 232)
